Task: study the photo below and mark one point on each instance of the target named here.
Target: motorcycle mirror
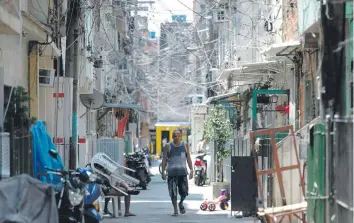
(53, 153)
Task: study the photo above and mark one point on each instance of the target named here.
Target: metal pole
(1, 103)
(231, 33)
(327, 167)
(75, 99)
(72, 67)
(57, 78)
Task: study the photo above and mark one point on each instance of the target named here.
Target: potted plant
(219, 129)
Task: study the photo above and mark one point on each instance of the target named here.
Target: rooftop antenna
(92, 101)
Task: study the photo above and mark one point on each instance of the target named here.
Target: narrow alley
(153, 205)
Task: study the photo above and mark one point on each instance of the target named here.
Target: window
(119, 43)
(123, 66)
(221, 15)
(46, 77)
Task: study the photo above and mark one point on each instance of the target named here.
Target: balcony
(249, 73)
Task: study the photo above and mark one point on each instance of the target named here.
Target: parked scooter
(93, 193)
(146, 151)
(200, 167)
(70, 195)
(138, 162)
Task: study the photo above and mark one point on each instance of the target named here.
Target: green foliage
(246, 97)
(218, 127)
(17, 113)
(133, 116)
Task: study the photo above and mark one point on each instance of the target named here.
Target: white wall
(10, 55)
(248, 14)
(197, 125)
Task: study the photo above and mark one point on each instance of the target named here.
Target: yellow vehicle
(164, 130)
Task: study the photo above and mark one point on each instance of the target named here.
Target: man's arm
(189, 159)
(165, 156)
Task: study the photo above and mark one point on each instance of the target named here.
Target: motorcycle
(200, 167)
(70, 194)
(91, 203)
(146, 151)
(138, 162)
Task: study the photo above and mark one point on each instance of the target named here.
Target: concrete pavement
(153, 206)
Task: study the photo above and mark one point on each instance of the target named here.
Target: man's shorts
(180, 182)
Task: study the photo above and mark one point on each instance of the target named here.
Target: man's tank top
(177, 159)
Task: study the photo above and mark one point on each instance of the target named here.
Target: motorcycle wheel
(197, 180)
(142, 177)
(89, 219)
(203, 180)
(160, 168)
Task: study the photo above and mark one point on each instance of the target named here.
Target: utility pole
(72, 66)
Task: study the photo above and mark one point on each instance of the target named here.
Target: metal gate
(21, 159)
(114, 148)
(243, 177)
(342, 174)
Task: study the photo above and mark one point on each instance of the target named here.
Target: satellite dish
(92, 101)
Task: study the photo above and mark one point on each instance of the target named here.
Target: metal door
(243, 184)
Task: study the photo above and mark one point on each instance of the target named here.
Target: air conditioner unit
(46, 77)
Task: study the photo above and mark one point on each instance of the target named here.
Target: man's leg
(127, 205)
(183, 191)
(172, 189)
(127, 199)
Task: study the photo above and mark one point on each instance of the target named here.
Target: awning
(220, 97)
(130, 106)
(282, 49)
(172, 124)
(251, 72)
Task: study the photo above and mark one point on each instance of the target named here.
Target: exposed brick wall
(290, 20)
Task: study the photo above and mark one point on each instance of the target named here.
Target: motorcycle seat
(201, 156)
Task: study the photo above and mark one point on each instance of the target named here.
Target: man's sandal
(174, 214)
(133, 192)
(182, 210)
(129, 215)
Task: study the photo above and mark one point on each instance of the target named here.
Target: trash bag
(24, 199)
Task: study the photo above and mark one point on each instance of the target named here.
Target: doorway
(164, 135)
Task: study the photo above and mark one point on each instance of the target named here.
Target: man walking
(176, 155)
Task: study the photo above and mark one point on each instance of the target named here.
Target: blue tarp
(42, 143)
